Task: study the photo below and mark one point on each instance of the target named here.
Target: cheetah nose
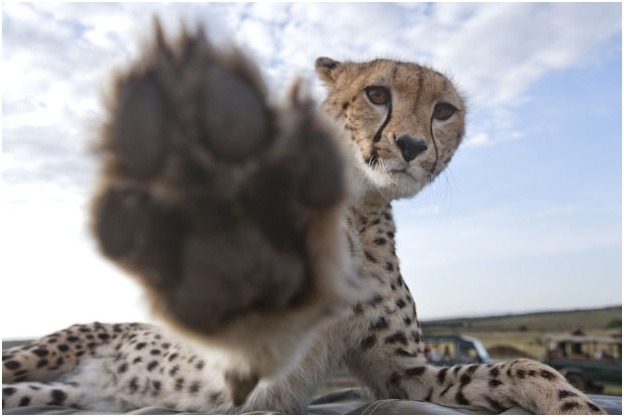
(410, 147)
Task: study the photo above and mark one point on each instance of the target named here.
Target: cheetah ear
(325, 68)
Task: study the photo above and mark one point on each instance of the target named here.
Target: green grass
(550, 321)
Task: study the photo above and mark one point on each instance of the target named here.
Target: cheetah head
(406, 120)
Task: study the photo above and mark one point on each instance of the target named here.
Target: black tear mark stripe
(373, 158)
(377, 136)
(435, 148)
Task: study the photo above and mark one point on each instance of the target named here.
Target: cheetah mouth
(403, 171)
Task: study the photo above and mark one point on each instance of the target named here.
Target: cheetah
(263, 235)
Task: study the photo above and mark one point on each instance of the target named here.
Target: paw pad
(234, 120)
(139, 130)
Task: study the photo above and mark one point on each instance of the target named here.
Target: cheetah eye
(443, 111)
(378, 95)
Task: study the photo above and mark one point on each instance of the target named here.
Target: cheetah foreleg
(498, 387)
(225, 207)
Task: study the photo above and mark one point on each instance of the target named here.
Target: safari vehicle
(453, 350)
(587, 362)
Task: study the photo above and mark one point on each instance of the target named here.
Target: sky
(528, 217)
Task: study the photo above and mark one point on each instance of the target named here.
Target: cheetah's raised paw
(226, 209)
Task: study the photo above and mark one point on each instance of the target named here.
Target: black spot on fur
(42, 363)
(345, 105)
(494, 372)
(593, 407)
(73, 339)
(58, 397)
(380, 241)
(8, 391)
(369, 257)
(375, 300)
(174, 370)
(200, 365)
(398, 337)
(465, 379)
(194, 388)
(11, 365)
(395, 379)
(379, 324)
(445, 390)
(389, 267)
(520, 373)
(358, 308)
(216, 398)
(442, 375)
(140, 346)
(416, 371)
(460, 399)
(166, 345)
(24, 401)
(152, 365)
(172, 357)
(429, 395)
(179, 384)
(567, 406)
(471, 369)
(41, 352)
(401, 303)
(407, 321)
(103, 336)
(494, 383)
(137, 359)
(157, 387)
(566, 394)
(133, 385)
(368, 342)
(63, 347)
(122, 368)
(155, 352)
(416, 336)
(548, 375)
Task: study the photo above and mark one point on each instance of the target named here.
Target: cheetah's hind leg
(225, 208)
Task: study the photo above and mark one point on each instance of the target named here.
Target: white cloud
(478, 139)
